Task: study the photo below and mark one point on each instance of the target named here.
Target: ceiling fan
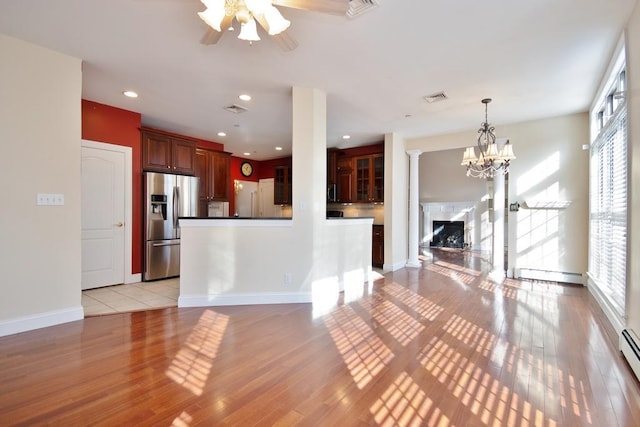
(220, 14)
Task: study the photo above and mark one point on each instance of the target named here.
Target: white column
(414, 208)
(427, 228)
(498, 225)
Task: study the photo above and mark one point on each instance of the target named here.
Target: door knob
(119, 224)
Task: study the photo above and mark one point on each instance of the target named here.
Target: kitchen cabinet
(377, 246)
(369, 178)
(282, 193)
(167, 153)
(344, 178)
(213, 169)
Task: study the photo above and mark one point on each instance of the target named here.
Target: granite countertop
(233, 217)
(269, 218)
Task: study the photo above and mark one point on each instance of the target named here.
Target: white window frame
(608, 116)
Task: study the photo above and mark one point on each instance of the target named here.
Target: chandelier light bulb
(277, 23)
(249, 31)
(213, 14)
(490, 159)
(258, 7)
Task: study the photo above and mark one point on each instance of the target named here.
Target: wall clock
(246, 168)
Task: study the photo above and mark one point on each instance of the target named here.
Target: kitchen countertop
(268, 218)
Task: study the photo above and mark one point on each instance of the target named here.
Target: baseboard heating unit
(548, 275)
(629, 347)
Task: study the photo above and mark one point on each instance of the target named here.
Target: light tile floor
(131, 297)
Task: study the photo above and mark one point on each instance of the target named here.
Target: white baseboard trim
(133, 278)
(243, 299)
(609, 312)
(41, 320)
(394, 266)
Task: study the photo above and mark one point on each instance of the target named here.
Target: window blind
(608, 209)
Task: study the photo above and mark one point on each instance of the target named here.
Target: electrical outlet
(46, 199)
(287, 278)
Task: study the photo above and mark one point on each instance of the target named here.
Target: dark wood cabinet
(282, 193)
(169, 154)
(358, 173)
(369, 178)
(344, 178)
(212, 167)
(377, 246)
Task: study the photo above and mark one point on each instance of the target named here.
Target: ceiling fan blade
(283, 39)
(212, 36)
(332, 7)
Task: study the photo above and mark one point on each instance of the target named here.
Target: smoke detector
(236, 109)
(435, 97)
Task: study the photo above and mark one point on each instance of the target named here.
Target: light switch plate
(47, 199)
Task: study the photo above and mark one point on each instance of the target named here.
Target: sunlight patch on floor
(362, 350)
(192, 365)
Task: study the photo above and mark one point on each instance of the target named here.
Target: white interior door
(265, 198)
(103, 217)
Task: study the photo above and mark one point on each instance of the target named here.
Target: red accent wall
(112, 125)
(235, 173)
(267, 167)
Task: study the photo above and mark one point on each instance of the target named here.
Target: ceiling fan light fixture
(249, 31)
(213, 14)
(277, 23)
(258, 7)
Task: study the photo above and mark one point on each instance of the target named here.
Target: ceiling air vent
(235, 108)
(358, 7)
(435, 97)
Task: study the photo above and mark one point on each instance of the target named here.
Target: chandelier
(489, 161)
(245, 12)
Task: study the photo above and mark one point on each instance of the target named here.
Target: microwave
(332, 193)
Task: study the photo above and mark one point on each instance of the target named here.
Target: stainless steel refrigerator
(167, 197)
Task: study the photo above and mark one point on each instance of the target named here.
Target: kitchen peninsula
(237, 261)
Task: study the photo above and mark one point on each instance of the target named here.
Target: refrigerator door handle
(176, 205)
(157, 245)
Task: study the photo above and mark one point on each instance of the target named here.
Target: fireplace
(448, 234)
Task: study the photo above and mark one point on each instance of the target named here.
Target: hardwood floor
(442, 345)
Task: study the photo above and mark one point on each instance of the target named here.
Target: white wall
(396, 206)
(633, 129)
(40, 132)
(242, 261)
(456, 187)
(550, 165)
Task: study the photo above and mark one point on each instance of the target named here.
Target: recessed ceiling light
(346, 136)
(130, 94)
(247, 154)
(278, 148)
(245, 97)
(222, 134)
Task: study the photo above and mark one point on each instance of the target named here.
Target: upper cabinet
(282, 185)
(344, 179)
(369, 178)
(359, 174)
(212, 167)
(166, 153)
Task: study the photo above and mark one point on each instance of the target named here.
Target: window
(608, 190)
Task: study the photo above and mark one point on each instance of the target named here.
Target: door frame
(128, 215)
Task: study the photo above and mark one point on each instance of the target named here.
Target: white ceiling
(536, 59)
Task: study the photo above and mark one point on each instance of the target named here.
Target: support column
(498, 225)
(414, 208)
